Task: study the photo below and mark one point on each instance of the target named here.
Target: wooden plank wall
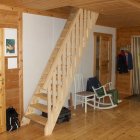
(12, 86)
(8, 19)
(124, 81)
(13, 77)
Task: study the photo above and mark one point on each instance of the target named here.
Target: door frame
(95, 34)
(2, 88)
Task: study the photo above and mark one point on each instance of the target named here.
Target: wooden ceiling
(114, 13)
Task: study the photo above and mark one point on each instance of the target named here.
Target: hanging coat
(122, 63)
(129, 61)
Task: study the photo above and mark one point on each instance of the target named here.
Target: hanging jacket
(122, 63)
(130, 61)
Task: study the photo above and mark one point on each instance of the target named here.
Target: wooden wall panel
(124, 81)
(12, 86)
(13, 77)
(8, 19)
(11, 18)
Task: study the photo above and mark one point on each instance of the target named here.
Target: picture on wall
(10, 46)
(10, 41)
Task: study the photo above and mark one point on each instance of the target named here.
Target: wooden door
(2, 86)
(103, 53)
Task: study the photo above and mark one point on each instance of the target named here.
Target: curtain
(135, 48)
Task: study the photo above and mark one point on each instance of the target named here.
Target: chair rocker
(101, 95)
(104, 99)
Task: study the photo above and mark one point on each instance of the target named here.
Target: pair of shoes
(119, 101)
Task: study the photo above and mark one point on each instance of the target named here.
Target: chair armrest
(98, 88)
(108, 84)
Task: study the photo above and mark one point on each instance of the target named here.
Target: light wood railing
(65, 65)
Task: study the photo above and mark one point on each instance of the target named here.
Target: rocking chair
(104, 99)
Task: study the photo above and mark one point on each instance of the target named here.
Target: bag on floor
(64, 116)
(12, 121)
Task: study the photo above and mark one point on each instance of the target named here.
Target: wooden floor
(121, 123)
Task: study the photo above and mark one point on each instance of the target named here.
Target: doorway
(103, 57)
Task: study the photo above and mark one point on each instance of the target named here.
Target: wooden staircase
(55, 82)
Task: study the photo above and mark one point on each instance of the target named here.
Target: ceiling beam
(52, 13)
(48, 4)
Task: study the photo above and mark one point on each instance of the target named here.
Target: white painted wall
(40, 34)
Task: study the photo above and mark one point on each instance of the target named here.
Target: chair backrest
(93, 82)
(99, 92)
(78, 83)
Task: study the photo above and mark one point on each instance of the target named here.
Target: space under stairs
(55, 82)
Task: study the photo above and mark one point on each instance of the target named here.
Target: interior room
(80, 58)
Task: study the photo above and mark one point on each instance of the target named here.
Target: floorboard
(121, 123)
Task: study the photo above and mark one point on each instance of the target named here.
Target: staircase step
(42, 96)
(37, 118)
(40, 107)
